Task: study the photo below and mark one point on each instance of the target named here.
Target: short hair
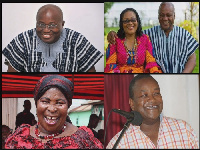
(50, 6)
(94, 116)
(121, 33)
(164, 3)
(134, 80)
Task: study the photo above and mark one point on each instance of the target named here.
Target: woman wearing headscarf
(132, 51)
(53, 96)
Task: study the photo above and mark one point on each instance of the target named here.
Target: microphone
(134, 116)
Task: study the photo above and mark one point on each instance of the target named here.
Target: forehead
(49, 14)
(166, 8)
(129, 14)
(53, 92)
(145, 83)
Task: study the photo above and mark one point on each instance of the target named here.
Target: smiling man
(156, 131)
(174, 46)
(51, 48)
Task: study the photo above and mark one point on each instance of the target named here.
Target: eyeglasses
(127, 21)
(49, 26)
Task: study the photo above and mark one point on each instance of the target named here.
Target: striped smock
(72, 53)
(173, 134)
(172, 52)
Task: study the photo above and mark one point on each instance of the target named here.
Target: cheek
(40, 109)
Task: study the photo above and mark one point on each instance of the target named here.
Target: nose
(46, 29)
(151, 97)
(165, 17)
(52, 108)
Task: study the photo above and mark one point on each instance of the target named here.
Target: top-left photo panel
(52, 37)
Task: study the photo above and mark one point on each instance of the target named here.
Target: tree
(193, 11)
(107, 6)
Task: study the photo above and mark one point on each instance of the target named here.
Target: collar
(50, 51)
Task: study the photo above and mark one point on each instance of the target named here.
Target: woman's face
(130, 23)
(52, 110)
(147, 99)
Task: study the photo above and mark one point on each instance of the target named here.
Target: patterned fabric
(119, 61)
(78, 54)
(172, 52)
(62, 83)
(173, 133)
(83, 138)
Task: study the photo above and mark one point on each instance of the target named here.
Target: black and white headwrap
(60, 82)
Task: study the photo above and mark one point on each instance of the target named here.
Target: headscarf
(60, 82)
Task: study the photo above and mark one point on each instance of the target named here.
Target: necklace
(51, 136)
(130, 51)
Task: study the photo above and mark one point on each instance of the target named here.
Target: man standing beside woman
(174, 47)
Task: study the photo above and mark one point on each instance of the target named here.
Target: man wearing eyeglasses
(50, 47)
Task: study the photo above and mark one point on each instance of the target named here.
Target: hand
(112, 35)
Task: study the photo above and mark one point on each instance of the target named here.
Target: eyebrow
(56, 100)
(154, 89)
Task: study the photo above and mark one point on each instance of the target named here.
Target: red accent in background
(116, 95)
(86, 86)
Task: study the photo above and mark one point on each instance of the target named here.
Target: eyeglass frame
(131, 20)
(48, 26)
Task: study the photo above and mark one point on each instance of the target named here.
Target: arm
(191, 63)
(11, 69)
(92, 69)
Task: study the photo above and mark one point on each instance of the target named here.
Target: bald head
(169, 4)
(49, 8)
(50, 15)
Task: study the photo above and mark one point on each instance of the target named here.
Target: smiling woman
(53, 96)
(132, 51)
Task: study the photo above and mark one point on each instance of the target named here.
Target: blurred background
(186, 16)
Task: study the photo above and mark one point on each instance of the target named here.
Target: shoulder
(85, 130)
(118, 40)
(71, 33)
(174, 123)
(152, 29)
(23, 128)
(132, 130)
(28, 33)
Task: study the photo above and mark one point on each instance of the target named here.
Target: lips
(166, 23)
(46, 36)
(51, 120)
(130, 28)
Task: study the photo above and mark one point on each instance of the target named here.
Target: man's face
(52, 18)
(166, 17)
(147, 99)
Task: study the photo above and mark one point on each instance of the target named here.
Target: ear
(131, 103)
(63, 23)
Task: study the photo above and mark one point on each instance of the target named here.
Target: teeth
(46, 35)
(51, 118)
(48, 117)
(149, 107)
